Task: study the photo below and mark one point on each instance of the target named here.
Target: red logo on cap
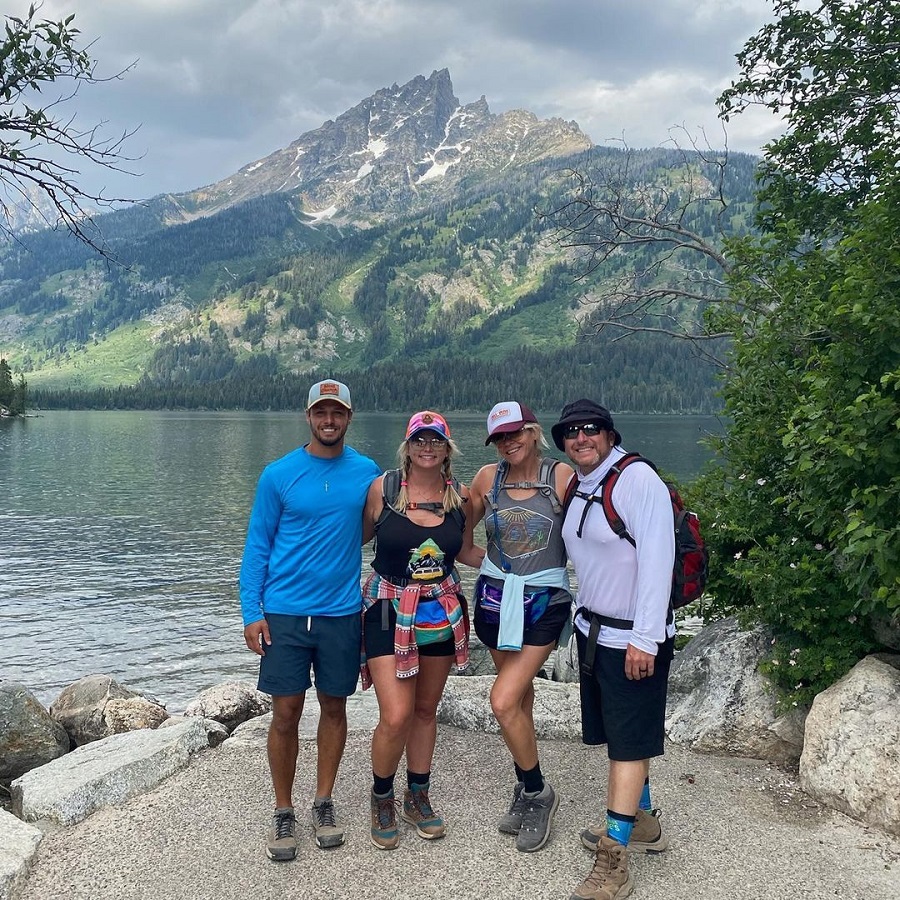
(329, 388)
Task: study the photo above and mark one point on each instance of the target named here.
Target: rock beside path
(105, 773)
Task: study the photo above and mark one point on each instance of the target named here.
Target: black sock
(533, 780)
(518, 772)
(417, 778)
(382, 786)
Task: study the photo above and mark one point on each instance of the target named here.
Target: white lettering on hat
(329, 387)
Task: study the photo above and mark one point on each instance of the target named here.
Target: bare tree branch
(42, 149)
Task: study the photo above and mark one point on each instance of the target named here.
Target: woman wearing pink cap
(415, 623)
(522, 599)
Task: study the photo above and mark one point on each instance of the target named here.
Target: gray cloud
(220, 83)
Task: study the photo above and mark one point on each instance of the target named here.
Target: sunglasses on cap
(591, 429)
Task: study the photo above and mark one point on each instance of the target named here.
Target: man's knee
(333, 708)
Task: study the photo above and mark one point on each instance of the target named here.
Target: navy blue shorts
(327, 644)
(628, 716)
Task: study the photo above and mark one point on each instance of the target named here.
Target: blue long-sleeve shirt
(303, 554)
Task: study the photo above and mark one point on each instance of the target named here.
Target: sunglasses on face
(507, 436)
(591, 429)
(431, 443)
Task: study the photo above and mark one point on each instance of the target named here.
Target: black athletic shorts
(628, 716)
(546, 630)
(380, 642)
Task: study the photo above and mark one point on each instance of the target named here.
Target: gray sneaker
(282, 843)
(536, 819)
(324, 820)
(512, 821)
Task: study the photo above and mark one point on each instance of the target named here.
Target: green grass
(120, 358)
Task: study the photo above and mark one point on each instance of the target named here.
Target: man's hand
(256, 636)
(638, 664)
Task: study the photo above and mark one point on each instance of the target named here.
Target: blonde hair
(452, 498)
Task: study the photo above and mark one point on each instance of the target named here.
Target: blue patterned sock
(645, 803)
(618, 827)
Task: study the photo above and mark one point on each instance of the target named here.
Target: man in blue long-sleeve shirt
(301, 602)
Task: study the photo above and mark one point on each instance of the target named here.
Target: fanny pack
(488, 597)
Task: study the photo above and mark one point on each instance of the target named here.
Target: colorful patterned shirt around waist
(426, 613)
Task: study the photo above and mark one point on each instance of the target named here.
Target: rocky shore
(179, 805)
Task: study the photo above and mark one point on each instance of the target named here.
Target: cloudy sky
(217, 84)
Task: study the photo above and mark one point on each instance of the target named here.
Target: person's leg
(417, 809)
(282, 746)
(331, 737)
(396, 705)
(432, 677)
(512, 700)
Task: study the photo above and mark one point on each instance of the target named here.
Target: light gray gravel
(739, 829)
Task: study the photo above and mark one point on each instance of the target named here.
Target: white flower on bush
(738, 555)
(760, 481)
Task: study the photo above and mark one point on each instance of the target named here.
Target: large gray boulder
(719, 702)
(29, 737)
(105, 772)
(230, 703)
(18, 845)
(466, 703)
(86, 709)
(851, 754)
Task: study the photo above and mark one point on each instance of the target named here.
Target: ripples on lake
(121, 536)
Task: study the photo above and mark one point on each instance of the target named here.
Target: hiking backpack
(390, 491)
(689, 572)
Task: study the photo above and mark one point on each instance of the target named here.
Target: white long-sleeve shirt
(615, 578)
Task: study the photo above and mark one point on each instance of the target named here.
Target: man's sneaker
(385, 835)
(512, 821)
(324, 820)
(282, 843)
(417, 811)
(536, 819)
(646, 836)
(609, 879)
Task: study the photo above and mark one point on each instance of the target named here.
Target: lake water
(121, 534)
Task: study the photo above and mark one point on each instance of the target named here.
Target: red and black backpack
(689, 572)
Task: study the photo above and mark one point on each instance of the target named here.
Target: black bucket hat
(580, 412)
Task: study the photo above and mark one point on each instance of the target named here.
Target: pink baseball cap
(506, 418)
(427, 421)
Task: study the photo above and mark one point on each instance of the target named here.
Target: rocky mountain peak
(400, 147)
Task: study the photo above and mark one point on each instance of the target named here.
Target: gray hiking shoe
(282, 843)
(324, 820)
(646, 836)
(512, 821)
(536, 819)
(609, 878)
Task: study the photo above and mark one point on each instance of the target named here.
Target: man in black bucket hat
(624, 632)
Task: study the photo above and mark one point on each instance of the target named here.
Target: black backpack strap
(596, 620)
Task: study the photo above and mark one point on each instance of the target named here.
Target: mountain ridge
(400, 232)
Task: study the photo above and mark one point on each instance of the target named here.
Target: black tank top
(405, 551)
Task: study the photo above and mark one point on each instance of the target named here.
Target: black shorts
(545, 631)
(628, 716)
(380, 642)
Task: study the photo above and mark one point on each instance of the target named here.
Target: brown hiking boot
(417, 811)
(609, 878)
(385, 835)
(646, 836)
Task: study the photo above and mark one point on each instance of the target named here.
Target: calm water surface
(121, 534)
